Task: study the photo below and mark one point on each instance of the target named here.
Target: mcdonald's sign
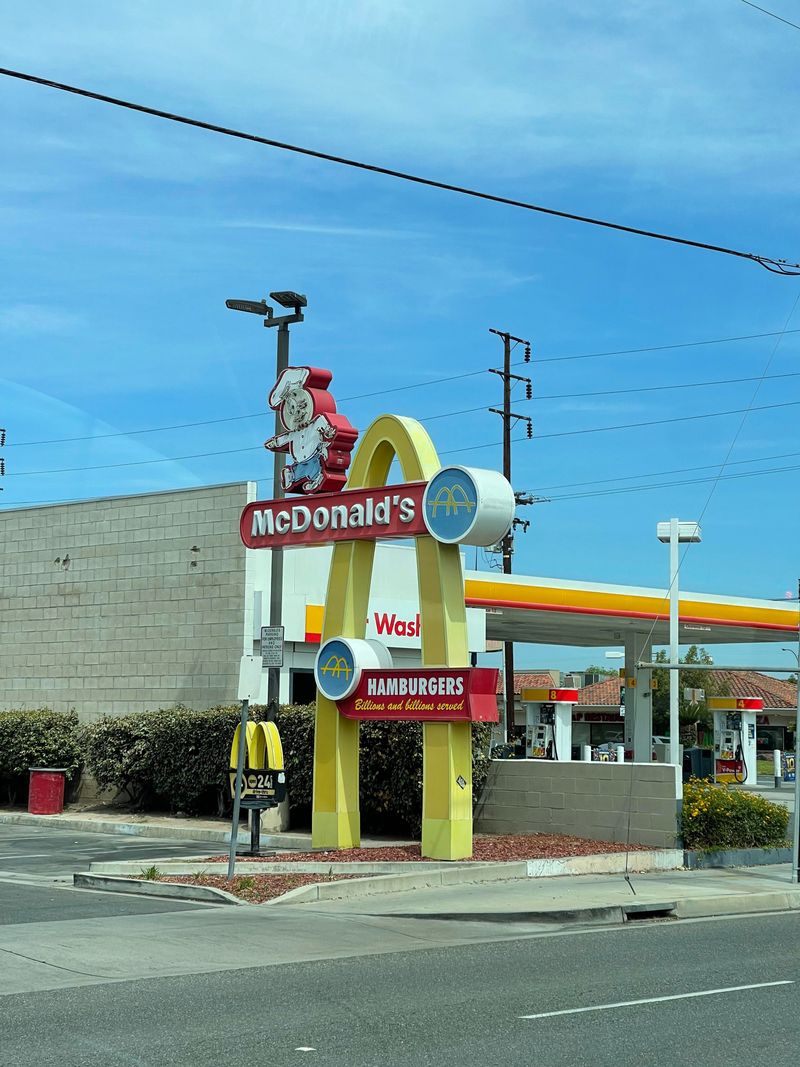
(264, 778)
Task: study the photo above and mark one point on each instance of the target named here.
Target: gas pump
(735, 738)
(548, 723)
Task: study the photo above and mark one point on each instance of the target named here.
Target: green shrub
(173, 757)
(119, 754)
(716, 818)
(38, 738)
(178, 758)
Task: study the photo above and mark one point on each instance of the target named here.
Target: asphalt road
(437, 1005)
(92, 979)
(41, 852)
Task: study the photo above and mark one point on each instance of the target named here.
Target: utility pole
(508, 416)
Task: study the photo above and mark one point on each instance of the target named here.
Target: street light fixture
(287, 299)
(675, 533)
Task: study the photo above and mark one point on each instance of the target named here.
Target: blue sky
(123, 235)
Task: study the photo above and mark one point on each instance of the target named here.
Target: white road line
(654, 1000)
(24, 856)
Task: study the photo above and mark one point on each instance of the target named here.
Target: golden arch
(447, 747)
(335, 666)
(446, 498)
(264, 748)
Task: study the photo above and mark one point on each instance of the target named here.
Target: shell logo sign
(440, 508)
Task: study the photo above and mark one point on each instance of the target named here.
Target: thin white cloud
(35, 319)
(316, 228)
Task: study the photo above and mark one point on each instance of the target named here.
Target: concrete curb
(612, 914)
(205, 894)
(738, 904)
(354, 888)
(736, 857)
(598, 863)
(149, 829)
(189, 865)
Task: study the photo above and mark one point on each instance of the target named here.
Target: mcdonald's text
(355, 514)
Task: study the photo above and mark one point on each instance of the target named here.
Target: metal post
(237, 790)
(276, 554)
(508, 647)
(674, 676)
(796, 820)
(586, 753)
(776, 768)
(620, 752)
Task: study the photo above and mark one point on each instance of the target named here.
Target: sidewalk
(171, 828)
(589, 898)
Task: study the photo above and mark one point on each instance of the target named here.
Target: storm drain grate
(648, 912)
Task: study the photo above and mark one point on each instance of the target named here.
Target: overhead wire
(451, 378)
(719, 476)
(659, 474)
(667, 485)
(466, 448)
(558, 498)
(776, 266)
(771, 14)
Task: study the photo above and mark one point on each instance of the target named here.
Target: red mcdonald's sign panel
(427, 694)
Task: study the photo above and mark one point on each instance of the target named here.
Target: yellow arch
(447, 747)
(264, 748)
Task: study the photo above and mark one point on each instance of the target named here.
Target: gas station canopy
(558, 612)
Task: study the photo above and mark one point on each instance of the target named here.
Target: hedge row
(177, 758)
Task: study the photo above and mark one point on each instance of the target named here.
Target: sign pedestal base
(447, 791)
(336, 822)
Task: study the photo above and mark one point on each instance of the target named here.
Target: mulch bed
(485, 847)
(257, 888)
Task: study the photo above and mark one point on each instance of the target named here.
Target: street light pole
(674, 676)
(674, 533)
(796, 813)
(297, 302)
(276, 554)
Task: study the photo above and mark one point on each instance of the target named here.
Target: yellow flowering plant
(718, 817)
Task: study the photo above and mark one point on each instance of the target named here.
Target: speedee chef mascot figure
(317, 439)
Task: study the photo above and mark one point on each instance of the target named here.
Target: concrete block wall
(587, 799)
(135, 619)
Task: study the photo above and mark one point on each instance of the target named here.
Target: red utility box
(46, 790)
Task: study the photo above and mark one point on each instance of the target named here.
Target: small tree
(695, 678)
(605, 672)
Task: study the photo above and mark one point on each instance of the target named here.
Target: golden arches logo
(337, 666)
(446, 498)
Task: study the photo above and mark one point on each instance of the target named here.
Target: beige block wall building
(110, 606)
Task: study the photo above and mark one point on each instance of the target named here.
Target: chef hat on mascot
(291, 378)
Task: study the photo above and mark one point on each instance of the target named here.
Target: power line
(467, 448)
(777, 266)
(555, 499)
(664, 422)
(772, 14)
(659, 474)
(663, 348)
(680, 481)
(452, 378)
(662, 388)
